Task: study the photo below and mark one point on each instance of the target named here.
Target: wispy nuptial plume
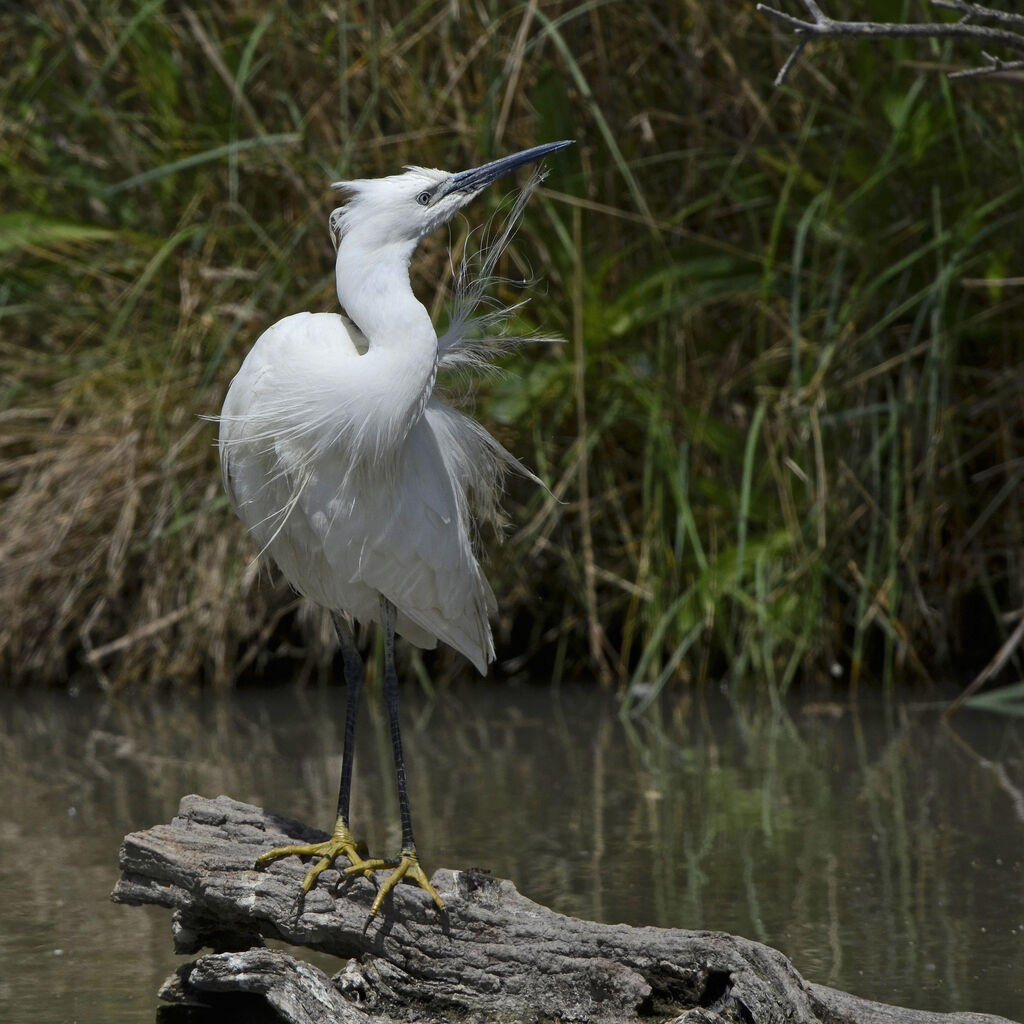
(480, 325)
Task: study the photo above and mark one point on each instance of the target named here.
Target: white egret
(356, 478)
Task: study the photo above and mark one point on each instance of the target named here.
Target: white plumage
(354, 476)
(373, 500)
(337, 455)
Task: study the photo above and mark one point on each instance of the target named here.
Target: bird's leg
(353, 666)
(341, 842)
(408, 865)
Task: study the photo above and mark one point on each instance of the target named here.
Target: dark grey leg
(352, 664)
(391, 700)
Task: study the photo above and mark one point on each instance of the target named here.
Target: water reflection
(878, 850)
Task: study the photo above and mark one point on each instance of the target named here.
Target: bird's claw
(406, 867)
(340, 844)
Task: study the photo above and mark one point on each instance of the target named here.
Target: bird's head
(403, 208)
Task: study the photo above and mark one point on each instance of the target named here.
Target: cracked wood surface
(495, 955)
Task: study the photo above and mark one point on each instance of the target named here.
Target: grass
(783, 435)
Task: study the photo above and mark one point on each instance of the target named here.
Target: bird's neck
(373, 287)
(374, 290)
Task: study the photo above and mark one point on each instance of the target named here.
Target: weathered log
(495, 955)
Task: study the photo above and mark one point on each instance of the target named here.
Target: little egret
(356, 478)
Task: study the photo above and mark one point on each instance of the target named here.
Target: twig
(969, 10)
(995, 66)
(820, 26)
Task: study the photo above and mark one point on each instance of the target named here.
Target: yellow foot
(407, 867)
(340, 844)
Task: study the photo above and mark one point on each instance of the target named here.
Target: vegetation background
(782, 440)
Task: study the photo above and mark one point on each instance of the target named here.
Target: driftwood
(495, 955)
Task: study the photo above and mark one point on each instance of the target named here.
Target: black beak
(479, 177)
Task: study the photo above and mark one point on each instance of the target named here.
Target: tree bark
(494, 956)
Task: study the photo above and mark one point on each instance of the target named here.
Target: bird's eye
(423, 198)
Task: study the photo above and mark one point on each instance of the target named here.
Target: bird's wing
(264, 452)
(345, 518)
(403, 531)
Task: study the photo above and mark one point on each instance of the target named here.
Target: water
(881, 851)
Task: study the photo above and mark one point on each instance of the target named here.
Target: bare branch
(978, 13)
(790, 61)
(820, 26)
(994, 67)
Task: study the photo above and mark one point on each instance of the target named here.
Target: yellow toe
(407, 868)
(341, 844)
